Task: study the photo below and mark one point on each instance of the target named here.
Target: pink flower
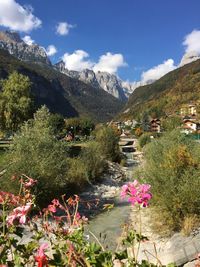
(19, 213)
(132, 200)
(41, 258)
(137, 193)
(51, 208)
(30, 183)
(144, 188)
(124, 191)
(56, 202)
(8, 198)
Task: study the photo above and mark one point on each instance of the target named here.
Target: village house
(155, 125)
(190, 126)
(189, 109)
(69, 137)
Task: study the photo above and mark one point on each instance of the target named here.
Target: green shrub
(36, 153)
(77, 172)
(108, 142)
(172, 167)
(171, 123)
(94, 162)
(144, 139)
(15, 102)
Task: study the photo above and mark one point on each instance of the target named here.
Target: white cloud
(131, 86)
(79, 60)
(28, 40)
(192, 48)
(110, 63)
(16, 17)
(63, 28)
(189, 57)
(158, 71)
(51, 50)
(192, 42)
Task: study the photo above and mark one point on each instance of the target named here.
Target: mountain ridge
(62, 94)
(166, 95)
(108, 82)
(12, 42)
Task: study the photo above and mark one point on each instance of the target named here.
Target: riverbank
(96, 196)
(177, 248)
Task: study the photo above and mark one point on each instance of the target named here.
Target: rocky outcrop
(104, 80)
(12, 42)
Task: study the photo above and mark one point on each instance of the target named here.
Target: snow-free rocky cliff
(104, 80)
(12, 42)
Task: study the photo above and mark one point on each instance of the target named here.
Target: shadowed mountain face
(166, 95)
(61, 93)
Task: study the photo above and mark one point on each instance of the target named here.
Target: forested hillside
(166, 95)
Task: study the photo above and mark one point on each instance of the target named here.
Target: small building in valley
(155, 125)
(189, 109)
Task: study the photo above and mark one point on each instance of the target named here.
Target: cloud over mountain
(51, 50)
(80, 60)
(28, 40)
(110, 63)
(17, 17)
(192, 47)
(158, 71)
(192, 42)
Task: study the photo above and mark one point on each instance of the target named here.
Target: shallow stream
(107, 226)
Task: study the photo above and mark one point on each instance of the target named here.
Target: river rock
(192, 264)
(178, 249)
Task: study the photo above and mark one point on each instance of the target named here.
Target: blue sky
(144, 32)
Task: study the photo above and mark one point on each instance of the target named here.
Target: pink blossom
(19, 213)
(124, 191)
(78, 216)
(132, 200)
(41, 258)
(56, 202)
(51, 208)
(30, 182)
(8, 198)
(144, 188)
(137, 193)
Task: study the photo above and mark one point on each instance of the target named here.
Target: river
(107, 226)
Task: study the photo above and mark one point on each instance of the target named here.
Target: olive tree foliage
(37, 153)
(172, 167)
(15, 101)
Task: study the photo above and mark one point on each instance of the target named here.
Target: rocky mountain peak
(11, 41)
(10, 37)
(99, 80)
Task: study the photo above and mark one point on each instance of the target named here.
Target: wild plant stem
(140, 233)
(4, 220)
(97, 240)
